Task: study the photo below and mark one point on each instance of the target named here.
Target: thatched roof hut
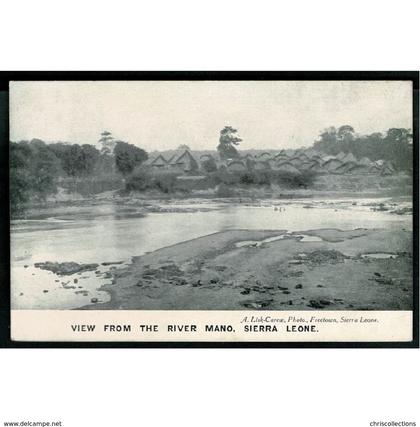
(340, 155)
(296, 162)
(288, 168)
(365, 161)
(348, 158)
(236, 166)
(316, 167)
(184, 162)
(332, 164)
(264, 156)
(158, 162)
(261, 165)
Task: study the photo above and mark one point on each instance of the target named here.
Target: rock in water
(65, 268)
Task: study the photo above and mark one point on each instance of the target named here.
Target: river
(106, 235)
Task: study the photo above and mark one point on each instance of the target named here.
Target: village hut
(331, 165)
(359, 169)
(303, 157)
(318, 158)
(311, 152)
(387, 168)
(183, 163)
(236, 166)
(296, 162)
(289, 169)
(341, 155)
(264, 156)
(289, 153)
(305, 166)
(365, 161)
(348, 158)
(345, 168)
(280, 157)
(272, 162)
(261, 166)
(374, 169)
(316, 167)
(159, 163)
(249, 163)
(328, 157)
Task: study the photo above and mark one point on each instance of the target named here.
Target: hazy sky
(162, 115)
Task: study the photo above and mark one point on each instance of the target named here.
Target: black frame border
(5, 299)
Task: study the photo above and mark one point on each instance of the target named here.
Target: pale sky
(162, 115)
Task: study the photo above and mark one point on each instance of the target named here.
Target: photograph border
(5, 296)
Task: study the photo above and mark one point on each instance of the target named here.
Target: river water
(106, 235)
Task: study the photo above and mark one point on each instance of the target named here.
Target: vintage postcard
(212, 211)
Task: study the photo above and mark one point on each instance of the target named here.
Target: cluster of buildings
(290, 161)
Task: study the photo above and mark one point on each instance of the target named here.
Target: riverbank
(65, 205)
(116, 206)
(361, 269)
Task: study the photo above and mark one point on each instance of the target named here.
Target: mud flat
(272, 270)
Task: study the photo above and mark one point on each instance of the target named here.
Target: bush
(224, 191)
(143, 179)
(140, 180)
(165, 182)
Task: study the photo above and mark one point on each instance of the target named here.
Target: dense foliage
(228, 140)
(127, 157)
(36, 168)
(395, 145)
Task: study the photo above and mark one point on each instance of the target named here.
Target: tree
(227, 141)
(128, 156)
(398, 147)
(107, 143)
(184, 147)
(209, 165)
(44, 169)
(33, 172)
(72, 162)
(395, 146)
(89, 157)
(345, 133)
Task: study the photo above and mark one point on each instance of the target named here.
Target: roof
(328, 157)
(332, 164)
(176, 159)
(311, 152)
(289, 152)
(260, 164)
(206, 157)
(365, 161)
(349, 158)
(159, 160)
(289, 169)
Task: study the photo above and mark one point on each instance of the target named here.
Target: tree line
(395, 145)
(36, 167)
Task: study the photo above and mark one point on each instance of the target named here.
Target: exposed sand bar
(288, 273)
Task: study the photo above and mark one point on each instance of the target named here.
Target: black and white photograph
(210, 214)
(212, 195)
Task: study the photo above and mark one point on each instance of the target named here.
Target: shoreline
(285, 273)
(138, 206)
